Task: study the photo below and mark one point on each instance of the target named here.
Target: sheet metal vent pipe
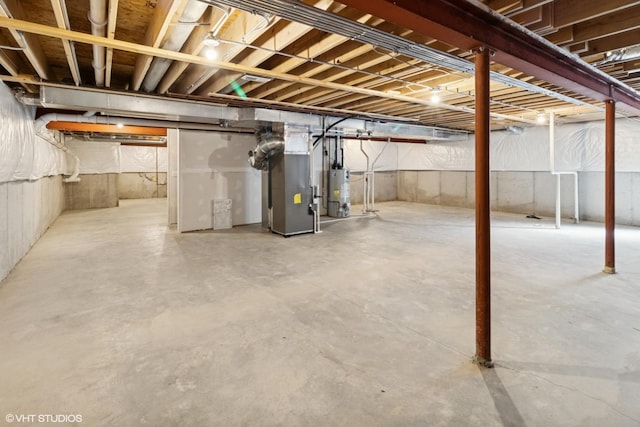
(269, 144)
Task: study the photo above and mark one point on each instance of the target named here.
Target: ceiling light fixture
(211, 40)
(254, 78)
(210, 53)
(516, 130)
(541, 118)
(435, 98)
(119, 125)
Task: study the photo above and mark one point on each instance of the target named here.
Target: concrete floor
(371, 323)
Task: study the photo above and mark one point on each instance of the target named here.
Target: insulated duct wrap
(269, 144)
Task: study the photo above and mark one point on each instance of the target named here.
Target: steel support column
(483, 211)
(610, 177)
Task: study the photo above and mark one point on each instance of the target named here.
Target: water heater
(339, 198)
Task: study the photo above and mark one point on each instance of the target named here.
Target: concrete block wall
(93, 191)
(386, 187)
(592, 197)
(142, 185)
(525, 192)
(27, 209)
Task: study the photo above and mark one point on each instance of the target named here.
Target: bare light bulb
(210, 54)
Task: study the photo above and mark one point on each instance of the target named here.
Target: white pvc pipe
(76, 167)
(558, 201)
(176, 39)
(552, 166)
(576, 205)
(552, 142)
(44, 133)
(365, 182)
(98, 19)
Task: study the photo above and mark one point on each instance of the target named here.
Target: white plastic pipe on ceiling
(98, 18)
(179, 34)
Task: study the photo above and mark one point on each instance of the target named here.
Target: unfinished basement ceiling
(347, 63)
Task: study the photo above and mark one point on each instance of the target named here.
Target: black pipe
(324, 132)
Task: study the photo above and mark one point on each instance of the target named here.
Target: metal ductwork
(98, 18)
(626, 54)
(269, 144)
(115, 103)
(179, 34)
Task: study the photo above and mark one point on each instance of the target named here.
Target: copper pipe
(483, 211)
(610, 187)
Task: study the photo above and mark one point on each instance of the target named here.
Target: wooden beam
(102, 128)
(315, 51)
(568, 12)
(528, 17)
(342, 53)
(156, 30)
(200, 77)
(562, 36)
(346, 77)
(606, 44)
(608, 25)
(9, 60)
(240, 26)
(278, 41)
(48, 31)
(505, 6)
(528, 5)
(62, 19)
(33, 50)
(192, 46)
(27, 81)
(546, 23)
(469, 25)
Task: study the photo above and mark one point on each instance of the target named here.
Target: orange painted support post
(483, 212)
(610, 187)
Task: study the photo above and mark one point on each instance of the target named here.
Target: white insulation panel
(143, 159)
(578, 147)
(23, 155)
(382, 156)
(96, 157)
